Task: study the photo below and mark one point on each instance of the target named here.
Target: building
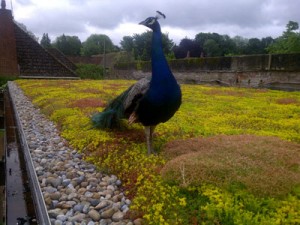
(22, 56)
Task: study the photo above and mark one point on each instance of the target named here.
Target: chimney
(8, 51)
(3, 4)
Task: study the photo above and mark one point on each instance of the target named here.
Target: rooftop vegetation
(228, 156)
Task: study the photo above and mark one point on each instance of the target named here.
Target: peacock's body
(150, 101)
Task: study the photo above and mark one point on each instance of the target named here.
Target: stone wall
(108, 59)
(279, 71)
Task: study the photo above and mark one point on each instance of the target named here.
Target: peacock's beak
(143, 23)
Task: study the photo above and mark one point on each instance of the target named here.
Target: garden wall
(279, 71)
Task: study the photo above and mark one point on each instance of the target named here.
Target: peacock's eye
(151, 21)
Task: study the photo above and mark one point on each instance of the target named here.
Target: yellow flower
(182, 201)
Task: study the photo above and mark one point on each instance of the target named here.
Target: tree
(202, 37)
(222, 44)
(288, 42)
(140, 44)
(167, 43)
(212, 48)
(127, 43)
(179, 52)
(68, 45)
(227, 45)
(266, 42)
(290, 27)
(45, 41)
(96, 43)
(240, 45)
(254, 46)
(187, 47)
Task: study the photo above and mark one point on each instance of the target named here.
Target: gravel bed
(74, 191)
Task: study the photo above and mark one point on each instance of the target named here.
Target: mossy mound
(265, 166)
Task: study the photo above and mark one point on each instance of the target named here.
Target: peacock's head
(151, 22)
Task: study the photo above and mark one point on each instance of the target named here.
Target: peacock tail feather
(111, 117)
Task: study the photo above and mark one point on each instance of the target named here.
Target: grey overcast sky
(185, 18)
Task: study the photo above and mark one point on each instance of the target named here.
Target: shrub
(4, 79)
(90, 71)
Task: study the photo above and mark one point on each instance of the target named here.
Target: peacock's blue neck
(160, 67)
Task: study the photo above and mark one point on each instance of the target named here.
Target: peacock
(151, 100)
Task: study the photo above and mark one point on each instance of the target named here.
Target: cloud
(23, 2)
(248, 18)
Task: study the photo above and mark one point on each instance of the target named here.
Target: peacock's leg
(148, 139)
(149, 136)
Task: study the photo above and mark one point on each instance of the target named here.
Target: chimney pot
(3, 4)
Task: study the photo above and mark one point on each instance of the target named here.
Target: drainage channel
(19, 203)
(2, 161)
(24, 199)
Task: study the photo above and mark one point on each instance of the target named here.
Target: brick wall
(8, 54)
(21, 55)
